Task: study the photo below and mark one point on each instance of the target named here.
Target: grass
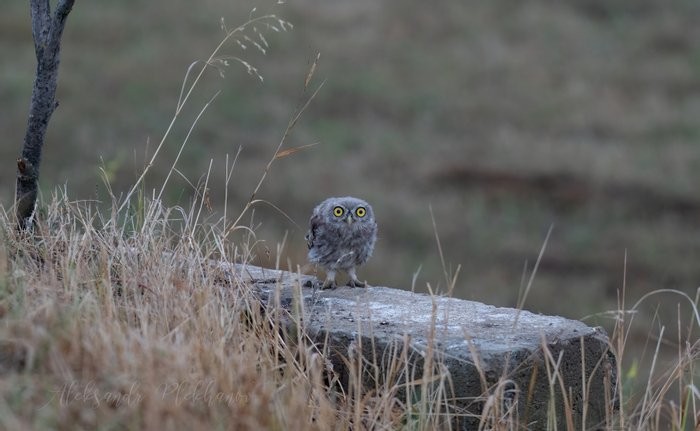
(100, 328)
(115, 320)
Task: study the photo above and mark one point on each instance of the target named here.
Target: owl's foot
(356, 283)
(330, 281)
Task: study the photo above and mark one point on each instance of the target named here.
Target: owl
(341, 237)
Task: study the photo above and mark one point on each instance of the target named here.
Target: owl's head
(348, 210)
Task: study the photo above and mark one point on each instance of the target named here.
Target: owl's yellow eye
(338, 211)
(360, 211)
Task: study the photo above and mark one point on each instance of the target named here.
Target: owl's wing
(313, 225)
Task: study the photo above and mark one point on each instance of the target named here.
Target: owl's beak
(349, 220)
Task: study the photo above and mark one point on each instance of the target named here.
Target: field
(490, 121)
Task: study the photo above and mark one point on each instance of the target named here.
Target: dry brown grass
(101, 327)
(120, 323)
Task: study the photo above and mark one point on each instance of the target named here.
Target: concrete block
(527, 364)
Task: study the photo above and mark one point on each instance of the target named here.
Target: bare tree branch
(41, 15)
(47, 30)
(59, 22)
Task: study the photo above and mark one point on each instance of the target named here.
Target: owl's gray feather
(341, 241)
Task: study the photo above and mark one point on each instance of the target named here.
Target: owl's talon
(329, 284)
(356, 283)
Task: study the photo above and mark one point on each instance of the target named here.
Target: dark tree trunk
(47, 30)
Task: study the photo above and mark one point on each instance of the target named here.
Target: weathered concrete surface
(487, 350)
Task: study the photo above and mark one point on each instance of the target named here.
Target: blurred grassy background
(506, 117)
